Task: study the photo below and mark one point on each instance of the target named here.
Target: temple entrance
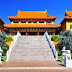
(32, 33)
(41, 33)
(23, 33)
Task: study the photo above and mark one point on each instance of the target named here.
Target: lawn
(3, 58)
(61, 58)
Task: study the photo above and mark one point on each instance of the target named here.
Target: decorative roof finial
(46, 10)
(18, 10)
(65, 10)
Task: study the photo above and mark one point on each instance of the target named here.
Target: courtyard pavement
(49, 66)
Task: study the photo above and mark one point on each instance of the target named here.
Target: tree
(66, 40)
(3, 46)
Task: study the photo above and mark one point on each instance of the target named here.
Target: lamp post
(63, 51)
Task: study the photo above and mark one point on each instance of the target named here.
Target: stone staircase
(31, 48)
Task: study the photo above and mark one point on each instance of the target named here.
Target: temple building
(66, 23)
(32, 23)
(1, 24)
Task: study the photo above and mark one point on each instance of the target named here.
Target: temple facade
(32, 23)
(66, 23)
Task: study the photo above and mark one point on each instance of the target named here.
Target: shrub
(58, 51)
(56, 38)
(8, 38)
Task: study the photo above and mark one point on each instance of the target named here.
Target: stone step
(31, 48)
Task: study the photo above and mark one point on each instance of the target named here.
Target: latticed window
(48, 22)
(29, 22)
(23, 22)
(15, 22)
(41, 22)
(34, 22)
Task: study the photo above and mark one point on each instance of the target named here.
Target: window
(41, 22)
(34, 22)
(48, 22)
(15, 22)
(70, 26)
(23, 22)
(29, 22)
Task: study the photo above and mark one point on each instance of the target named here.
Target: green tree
(66, 40)
(2, 42)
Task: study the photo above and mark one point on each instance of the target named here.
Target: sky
(53, 7)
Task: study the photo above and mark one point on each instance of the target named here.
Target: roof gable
(68, 13)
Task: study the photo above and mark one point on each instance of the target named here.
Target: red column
(53, 33)
(26, 33)
(38, 33)
(10, 33)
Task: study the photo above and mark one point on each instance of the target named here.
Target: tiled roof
(68, 15)
(32, 14)
(30, 25)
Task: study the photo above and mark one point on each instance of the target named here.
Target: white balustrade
(51, 45)
(15, 37)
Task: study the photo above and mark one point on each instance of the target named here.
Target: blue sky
(54, 8)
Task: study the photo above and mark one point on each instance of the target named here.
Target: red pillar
(10, 33)
(38, 33)
(26, 33)
(53, 33)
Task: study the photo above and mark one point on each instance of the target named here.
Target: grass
(61, 58)
(3, 58)
(71, 55)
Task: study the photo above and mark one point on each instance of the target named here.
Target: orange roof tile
(30, 25)
(32, 14)
(68, 15)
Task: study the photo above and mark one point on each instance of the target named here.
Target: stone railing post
(1, 51)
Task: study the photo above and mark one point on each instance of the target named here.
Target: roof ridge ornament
(46, 10)
(66, 10)
(18, 10)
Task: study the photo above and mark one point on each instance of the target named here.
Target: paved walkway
(33, 64)
(36, 70)
(49, 66)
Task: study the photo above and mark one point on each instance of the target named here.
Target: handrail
(12, 45)
(51, 45)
